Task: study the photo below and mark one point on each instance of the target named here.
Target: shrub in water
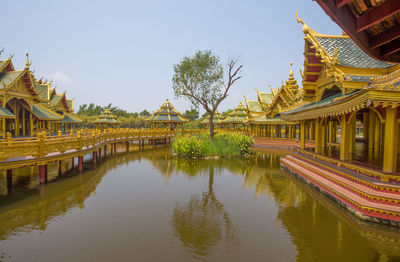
(223, 145)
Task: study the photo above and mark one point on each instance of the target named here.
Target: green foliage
(89, 113)
(192, 114)
(223, 145)
(200, 79)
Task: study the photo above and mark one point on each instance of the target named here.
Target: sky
(123, 52)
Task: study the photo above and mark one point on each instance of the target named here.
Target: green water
(151, 206)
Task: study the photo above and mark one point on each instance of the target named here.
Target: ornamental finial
(27, 60)
(291, 69)
(2, 50)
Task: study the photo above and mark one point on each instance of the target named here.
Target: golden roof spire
(291, 69)
(27, 61)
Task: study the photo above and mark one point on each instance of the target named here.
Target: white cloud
(61, 78)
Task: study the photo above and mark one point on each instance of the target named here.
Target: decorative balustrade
(42, 145)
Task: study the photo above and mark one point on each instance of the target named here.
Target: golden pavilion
(29, 106)
(264, 116)
(166, 117)
(348, 105)
(106, 120)
(217, 120)
(237, 117)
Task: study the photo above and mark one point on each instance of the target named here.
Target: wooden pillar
(317, 136)
(377, 131)
(302, 135)
(72, 163)
(23, 121)
(105, 150)
(323, 136)
(80, 163)
(365, 125)
(30, 124)
(344, 139)
(352, 145)
(99, 152)
(43, 174)
(94, 157)
(16, 112)
(391, 137)
(312, 130)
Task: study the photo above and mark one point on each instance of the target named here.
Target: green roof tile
(5, 113)
(8, 78)
(70, 118)
(43, 91)
(44, 113)
(349, 54)
(166, 113)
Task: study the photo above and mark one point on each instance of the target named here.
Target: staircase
(364, 196)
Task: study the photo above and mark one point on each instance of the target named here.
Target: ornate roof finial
(2, 50)
(291, 69)
(27, 60)
(305, 27)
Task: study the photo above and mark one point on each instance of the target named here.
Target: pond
(151, 206)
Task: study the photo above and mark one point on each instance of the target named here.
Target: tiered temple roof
(20, 90)
(237, 116)
(336, 61)
(217, 120)
(106, 117)
(166, 114)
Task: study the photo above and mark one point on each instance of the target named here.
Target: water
(151, 206)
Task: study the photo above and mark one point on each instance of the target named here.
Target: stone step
(348, 197)
(351, 175)
(349, 184)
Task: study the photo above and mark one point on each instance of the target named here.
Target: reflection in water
(200, 219)
(200, 223)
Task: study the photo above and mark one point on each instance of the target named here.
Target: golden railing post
(79, 137)
(9, 137)
(71, 133)
(41, 138)
(59, 134)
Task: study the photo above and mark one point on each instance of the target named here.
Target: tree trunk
(211, 126)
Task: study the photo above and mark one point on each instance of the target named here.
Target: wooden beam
(378, 14)
(385, 37)
(341, 3)
(391, 48)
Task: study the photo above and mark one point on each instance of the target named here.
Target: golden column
(302, 135)
(345, 138)
(390, 145)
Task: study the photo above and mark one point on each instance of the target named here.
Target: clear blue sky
(123, 52)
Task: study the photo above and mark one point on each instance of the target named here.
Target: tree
(200, 79)
(191, 114)
(144, 113)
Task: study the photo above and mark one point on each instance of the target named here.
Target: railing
(42, 145)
